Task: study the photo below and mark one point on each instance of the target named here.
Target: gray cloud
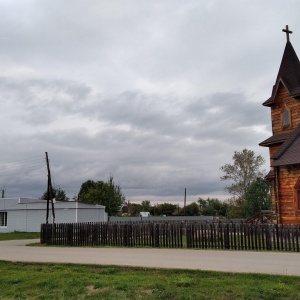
(151, 147)
(157, 94)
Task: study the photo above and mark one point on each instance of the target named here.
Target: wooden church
(284, 144)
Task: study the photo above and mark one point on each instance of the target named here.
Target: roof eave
(262, 144)
(268, 103)
(296, 96)
(279, 164)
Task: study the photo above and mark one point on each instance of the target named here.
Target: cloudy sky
(158, 94)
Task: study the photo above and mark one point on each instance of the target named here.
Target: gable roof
(288, 74)
(289, 152)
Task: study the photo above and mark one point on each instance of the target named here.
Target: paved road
(231, 261)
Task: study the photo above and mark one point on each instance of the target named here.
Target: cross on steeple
(287, 31)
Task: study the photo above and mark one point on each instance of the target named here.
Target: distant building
(145, 214)
(27, 215)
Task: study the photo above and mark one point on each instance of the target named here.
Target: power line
(22, 166)
(26, 159)
(23, 170)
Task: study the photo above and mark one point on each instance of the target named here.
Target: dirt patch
(147, 292)
(91, 290)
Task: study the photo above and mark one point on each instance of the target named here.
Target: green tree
(107, 193)
(213, 207)
(145, 205)
(236, 208)
(133, 209)
(242, 172)
(257, 197)
(192, 209)
(57, 193)
(167, 209)
(86, 186)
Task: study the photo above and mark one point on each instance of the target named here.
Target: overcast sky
(158, 94)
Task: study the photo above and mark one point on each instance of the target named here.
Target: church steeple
(289, 72)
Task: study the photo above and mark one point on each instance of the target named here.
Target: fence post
(268, 238)
(51, 235)
(70, 234)
(42, 238)
(44, 234)
(297, 237)
(129, 234)
(125, 237)
(226, 236)
(220, 235)
(181, 235)
(156, 235)
(233, 231)
(188, 232)
(242, 231)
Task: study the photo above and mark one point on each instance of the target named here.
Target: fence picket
(297, 237)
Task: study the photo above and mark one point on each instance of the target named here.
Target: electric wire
(25, 159)
(23, 166)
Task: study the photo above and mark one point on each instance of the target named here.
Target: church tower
(284, 144)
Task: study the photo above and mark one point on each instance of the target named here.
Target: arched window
(286, 119)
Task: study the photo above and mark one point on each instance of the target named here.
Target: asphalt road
(282, 263)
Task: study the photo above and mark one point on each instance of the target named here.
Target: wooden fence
(243, 236)
(165, 235)
(234, 236)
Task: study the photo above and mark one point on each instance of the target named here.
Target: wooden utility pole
(3, 192)
(184, 201)
(49, 193)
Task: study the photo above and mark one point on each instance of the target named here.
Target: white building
(145, 214)
(27, 215)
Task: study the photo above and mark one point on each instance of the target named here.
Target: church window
(286, 120)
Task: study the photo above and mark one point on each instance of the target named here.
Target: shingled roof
(288, 74)
(289, 152)
(276, 139)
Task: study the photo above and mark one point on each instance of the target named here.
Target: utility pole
(49, 193)
(3, 192)
(185, 201)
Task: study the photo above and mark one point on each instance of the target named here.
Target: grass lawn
(19, 236)
(65, 281)
(70, 281)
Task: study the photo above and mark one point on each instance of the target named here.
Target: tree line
(208, 207)
(249, 193)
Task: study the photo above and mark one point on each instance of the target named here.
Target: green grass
(19, 236)
(65, 281)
